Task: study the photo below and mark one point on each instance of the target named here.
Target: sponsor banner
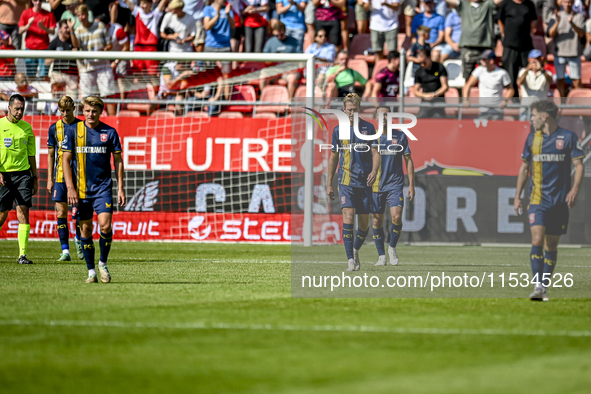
(128, 226)
(264, 145)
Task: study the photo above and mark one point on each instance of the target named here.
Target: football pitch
(219, 318)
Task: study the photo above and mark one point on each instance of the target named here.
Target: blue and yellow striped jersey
(55, 137)
(93, 149)
(391, 174)
(354, 166)
(550, 157)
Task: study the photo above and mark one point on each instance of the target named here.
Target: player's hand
(371, 178)
(411, 193)
(73, 197)
(518, 207)
(571, 199)
(50, 185)
(35, 186)
(1, 179)
(121, 197)
(330, 192)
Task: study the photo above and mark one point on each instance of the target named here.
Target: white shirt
(491, 84)
(184, 26)
(535, 84)
(382, 18)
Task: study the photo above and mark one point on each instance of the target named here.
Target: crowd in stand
(436, 30)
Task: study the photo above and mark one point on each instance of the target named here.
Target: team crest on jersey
(103, 138)
(394, 141)
(532, 218)
(343, 200)
(559, 144)
(8, 142)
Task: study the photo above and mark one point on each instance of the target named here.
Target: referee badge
(8, 142)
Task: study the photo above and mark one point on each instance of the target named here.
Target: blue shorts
(394, 198)
(555, 219)
(100, 204)
(356, 197)
(60, 192)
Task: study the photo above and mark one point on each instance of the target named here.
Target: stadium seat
(265, 115)
(410, 105)
(578, 97)
(129, 114)
(230, 115)
(586, 74)
(455, 77)
(473, 110)
(379, 66)
(573, 123)
(273, 93)
(360, 66)
(301, 91)
(452, 97)
(162, 113)
(197, 114)
(360, 43)
(246, 93)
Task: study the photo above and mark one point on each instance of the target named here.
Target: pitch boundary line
(290, 327)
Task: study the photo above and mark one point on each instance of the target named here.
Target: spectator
(38, 24)
(491, 80)
(362, 13)
(238, 31)
(57, 8)
(121, 14)
(282, 43)
(218, 21)
(146, 32)
(387, 80)
(23, 88)
(7, 67)
(587, 51)
(477, 29)
(517, 20)
(97, 7)
(412, 55)
(119, 43)
(410, 10)
(174, 81)
(195, 9)
(291, 14)
(346, 78)
(65, 72)
(178, 27)
(328, 15)
(10, 14)
(567, 29)
(450, 49)
(534, 82)
(383, 25)
(96, 76)
(310, 18)
(324, 52)
(433, 21)
(430, 83)
(70, 13)
(255, 24)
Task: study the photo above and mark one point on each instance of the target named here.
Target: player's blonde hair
(352, 98)
(65, 102)
(92, 101)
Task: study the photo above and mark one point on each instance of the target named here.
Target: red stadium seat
(162, 113)
(129, 114)
(360, 43)
(301, 91)
(265, 115)
(231, 115)
(578, 97)
(379, 66)
(198, 114)
(246, 93)
(586, 74)
(274, 93)
(360, 66)
(452, 97)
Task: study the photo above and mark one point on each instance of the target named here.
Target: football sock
(88, 250)
(105, 245)
(23, 238)
(78, 236)
(536, 259)
(378, 237)
(396, 230)
(549, 263)
(63, 233)
(360, 238)
(91, 272)
(348, 239)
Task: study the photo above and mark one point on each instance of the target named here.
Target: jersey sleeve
(69, 137)
(31, 145)
(576, 150)
(115, 142)
(335, 139)
(51, 142)
(526, 155)
(359, 78)
(380, 76)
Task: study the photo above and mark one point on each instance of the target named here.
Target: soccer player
(56, 184)
(358, 166)
(389, 188)
(18, 171)
(548, 152)
(93, 142)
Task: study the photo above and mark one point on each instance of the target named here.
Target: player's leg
(378, 237)
(362, 202)
(557, 223)
(85, 218)
(62, 230)
(78, 237)
(395, 231)
(103, 208)
(348, 214)
(536, 259)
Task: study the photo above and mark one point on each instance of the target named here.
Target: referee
(18, 170)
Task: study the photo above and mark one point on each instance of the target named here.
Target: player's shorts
(101, 204)
(358, 198)
(394, 198)
(18, 186)
(555, 218)
(60, 192)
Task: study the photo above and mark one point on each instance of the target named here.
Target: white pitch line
(290, 327)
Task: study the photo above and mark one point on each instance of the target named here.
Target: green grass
(209, 318)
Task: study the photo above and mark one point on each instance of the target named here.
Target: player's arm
(410, 170)
(375, 165)
(333, 160)
(72, 193)
(50, 167)
(119, 171)
(571, 197)
(521, 179)
(33, 169)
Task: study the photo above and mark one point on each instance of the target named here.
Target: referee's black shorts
(18, 187)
